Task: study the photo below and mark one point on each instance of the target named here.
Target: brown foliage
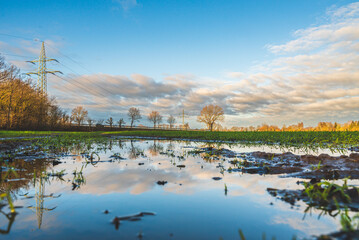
(79, 114)
(211, 114)
(155, 117)
(22, 106)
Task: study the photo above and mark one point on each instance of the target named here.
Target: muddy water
(182, 195)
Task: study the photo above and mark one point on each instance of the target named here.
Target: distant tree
(218, 127)
(65, 119)
(121, 122)
(171, 120)
(54, 116)
(155, 117)
(79, 115)
(100, 121)
(186, 126)
(211, 114)
(110, 122)
(134, 115)
(90, 122)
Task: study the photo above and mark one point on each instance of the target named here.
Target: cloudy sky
(276, 62)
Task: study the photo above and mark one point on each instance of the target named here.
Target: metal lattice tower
(183, 116)
(42, 71)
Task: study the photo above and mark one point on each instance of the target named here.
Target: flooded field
(157, 189)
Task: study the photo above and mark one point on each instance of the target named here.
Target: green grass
(336, 138)
(285, 138)
(10, 133)
(13, 133)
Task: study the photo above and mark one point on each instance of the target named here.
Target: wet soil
(305, 166)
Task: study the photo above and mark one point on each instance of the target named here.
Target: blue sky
(159, 37)
(206, 44)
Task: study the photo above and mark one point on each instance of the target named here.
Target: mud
(306, 166)
(334, 201)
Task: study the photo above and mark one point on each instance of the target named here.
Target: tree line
(80, 116)
(321, 126)
(23, 105)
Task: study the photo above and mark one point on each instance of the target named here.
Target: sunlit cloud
(310, 78)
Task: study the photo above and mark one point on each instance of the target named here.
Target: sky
(276, 62)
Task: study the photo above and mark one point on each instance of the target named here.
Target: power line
(96, 84)
(85, 79)
(15, 55)
(64, 55)
(57, 50)
(80, 85)
(15, 36)
(73, 83)
(110, 94)
(77, 84)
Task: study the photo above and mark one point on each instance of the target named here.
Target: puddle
(158, 189)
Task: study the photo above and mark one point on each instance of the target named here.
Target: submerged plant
(326, 193)
(317, 167)
(9, 200)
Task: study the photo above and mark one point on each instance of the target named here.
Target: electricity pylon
(42, 71)
(183, 116)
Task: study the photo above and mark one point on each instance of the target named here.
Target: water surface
(191, 205)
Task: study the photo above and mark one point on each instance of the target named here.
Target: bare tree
(211, 114)
(171, 120)
(121, 122)
(155, 117)
(79, 115)
(110, 122)
(54, 116)
(90, 122)
(65, 119)
(134, 115)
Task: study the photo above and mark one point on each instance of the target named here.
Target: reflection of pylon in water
(40, 196)
(40, 202)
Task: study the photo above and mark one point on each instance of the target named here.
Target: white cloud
(127, 4)
(343, 26)
(315, 78)
(234, 75)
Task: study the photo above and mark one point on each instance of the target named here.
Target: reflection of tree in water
(170, 146)
(134, 151)
(23, 177)
(120, 144)
(19, 180)
(110, 145)
(155, 148)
